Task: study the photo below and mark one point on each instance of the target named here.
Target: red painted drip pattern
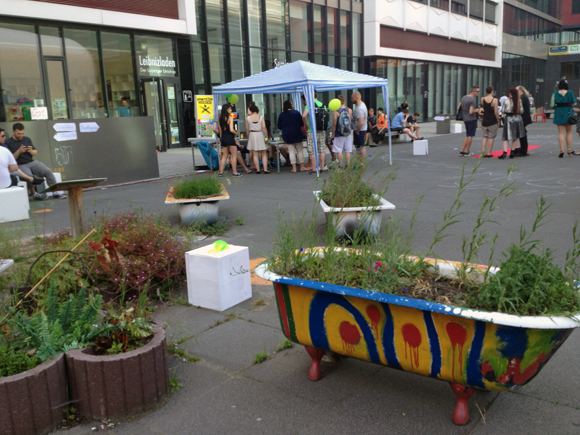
(457, 334)
(375, 317)
(412, 337)
(350, 336)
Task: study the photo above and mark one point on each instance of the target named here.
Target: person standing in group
(562, 102)
(500, 108)
(290, 123)
(360, 124)
(522, 151)
(468, 109)
(513, 123)
(257, 138)
(404, 106)
(341, 131)
(228, 140)
(532, 102)
(320, 137)
(490, 122)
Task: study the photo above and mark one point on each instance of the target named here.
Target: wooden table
(74, 189)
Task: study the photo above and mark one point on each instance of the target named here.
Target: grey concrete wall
(122, 149)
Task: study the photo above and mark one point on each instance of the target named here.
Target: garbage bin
(443, 124)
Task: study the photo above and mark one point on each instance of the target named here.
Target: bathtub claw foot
(314, 373)
(461, 411)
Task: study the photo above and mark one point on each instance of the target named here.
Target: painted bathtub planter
(198, 210)
(349, 219)
(468, 348)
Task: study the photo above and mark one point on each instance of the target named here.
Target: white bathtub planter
(350, 219)
(469, 348)
(198, 210)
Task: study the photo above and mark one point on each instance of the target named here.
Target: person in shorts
(360, 123)
(342, 143)
(489, 122)
(468, 108)
(320, 138)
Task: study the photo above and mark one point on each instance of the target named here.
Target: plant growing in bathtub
(527, 283)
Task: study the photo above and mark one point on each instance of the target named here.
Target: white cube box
(14, 204)
(218, 280)
(420, 148)
(457, 127)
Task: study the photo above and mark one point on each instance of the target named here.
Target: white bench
(14, 204)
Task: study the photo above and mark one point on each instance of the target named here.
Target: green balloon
(220, 245)
(334, 104)
(234, 99)
(227, 95)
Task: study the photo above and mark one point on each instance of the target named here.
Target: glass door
(56, 89)
(153, 105)
(171, 103)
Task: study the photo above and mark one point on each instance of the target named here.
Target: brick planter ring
(117, 386)
(32, 402)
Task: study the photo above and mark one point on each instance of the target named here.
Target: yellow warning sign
(204, 106)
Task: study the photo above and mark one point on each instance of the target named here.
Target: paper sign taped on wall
(65, 126)
(66, 135)
(88, 127)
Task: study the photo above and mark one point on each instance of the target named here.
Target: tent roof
(292, 77)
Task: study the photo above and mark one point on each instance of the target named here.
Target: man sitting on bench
(398, 125)
(8, 166)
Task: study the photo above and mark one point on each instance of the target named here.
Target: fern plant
(61, 326)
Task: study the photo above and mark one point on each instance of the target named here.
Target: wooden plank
(75, 203)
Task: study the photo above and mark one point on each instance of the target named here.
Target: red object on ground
(314, 373)
(500, 152)
(461, 411)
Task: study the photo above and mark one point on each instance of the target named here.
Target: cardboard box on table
(218, 280)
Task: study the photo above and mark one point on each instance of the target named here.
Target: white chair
(14, 204)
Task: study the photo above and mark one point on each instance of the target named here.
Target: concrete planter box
(348, 220)
(117, 386)
(32, 402)
(467, 348)
(198, 210)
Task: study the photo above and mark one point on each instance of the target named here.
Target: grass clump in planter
(527, 282)
(346, 187)
(197, 187)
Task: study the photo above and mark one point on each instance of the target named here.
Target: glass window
(200, 23)
(198, 67)
(440, 4)
(215, 21)
(459, 7)
(276, 56)
(431, 89)
(575, 7)
(570, 70)
(235, 25)
(276, 24)
(237, 62)
(332, 30)
(20, 78)
(155, 56)
(119, 74)
(299, 38)
(476, 9)
(255, 22)
(51, 41)
(344, 33)
(319, 46)
(84, 74)
(296, 55)
(356, 31)
(490, 12)
(57, 89)
(217, 64)
(255, 61)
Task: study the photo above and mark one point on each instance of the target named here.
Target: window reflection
(84, 74)
(255, 22)
(276, 24)
(119, 74)
(20, 79)
(299, 35)
(215, 21)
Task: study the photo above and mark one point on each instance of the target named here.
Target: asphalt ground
(226, 393)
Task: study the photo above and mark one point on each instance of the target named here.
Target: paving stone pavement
(225, 393)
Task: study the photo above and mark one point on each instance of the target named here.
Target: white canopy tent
(302, 77)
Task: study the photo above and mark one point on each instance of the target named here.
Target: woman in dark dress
(228, 140)
(522, 150)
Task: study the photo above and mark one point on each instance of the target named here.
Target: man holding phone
(23, 150)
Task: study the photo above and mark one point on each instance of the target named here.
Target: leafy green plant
(528, 282)
(181, 353)
(14, 361)
(175, 385)
(216, 229)
(239, 221)
(260, 357)
(286, 344)
(198, 186)
(60, 326)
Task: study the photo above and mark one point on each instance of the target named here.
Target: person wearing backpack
(321, 113)
(341, 131)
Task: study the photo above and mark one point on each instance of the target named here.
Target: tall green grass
(196, 187)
